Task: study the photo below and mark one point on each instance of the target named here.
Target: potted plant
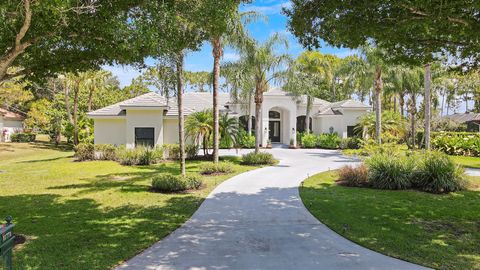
(269, 144)
(292, 145)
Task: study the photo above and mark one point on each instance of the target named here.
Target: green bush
(437, 173)
(128, 157)
(456, 143)
(246, 141)
(351, 143)
(172, 151)
(390, 171)
(23, 137)
(261, 158)
(146, 155)
(106, 151)
(84, 151)
(175, 183)
(328, 141)
(309, 140)
(353, 176)
(216, 168)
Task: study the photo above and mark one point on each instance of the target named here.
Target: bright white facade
(152, 119)
(10, 123)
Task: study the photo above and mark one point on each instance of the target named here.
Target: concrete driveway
(256, 220)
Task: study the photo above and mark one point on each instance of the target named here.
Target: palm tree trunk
(258, 108)
(378, 104)
(427, 81)
(181, 118)
(443, 103)
(75, 112)
(413, 112)
(401, 100)
(307, 114)
(249, 123)
(217, 54)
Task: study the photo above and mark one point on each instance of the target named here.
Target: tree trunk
(443, 103)
(258, 108)
(181, 119)
(401, 100)
(217, 54)
(66, 92)
(7, 60)
(413, 112)
(249, 123)
(307, 114)
(75, 112)
(395, 103)
(427, 81)
(89, 107)
(378, 104)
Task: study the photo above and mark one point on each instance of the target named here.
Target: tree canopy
(413, 32)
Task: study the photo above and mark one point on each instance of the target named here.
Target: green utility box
(6, 243)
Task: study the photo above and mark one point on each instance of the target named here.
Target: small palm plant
(199, 126)
(229, 130)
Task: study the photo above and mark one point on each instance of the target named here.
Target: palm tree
(261, 62)
(235, 35)
(375, 65)
(198, 126)
(229, 129)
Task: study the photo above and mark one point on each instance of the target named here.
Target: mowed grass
(438, 231)
(467, 162)
(88, 215)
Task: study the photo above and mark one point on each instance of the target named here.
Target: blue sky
(202, 60)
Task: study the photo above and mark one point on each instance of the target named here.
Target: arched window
(273, 115)
(244, 124)
(301, 123)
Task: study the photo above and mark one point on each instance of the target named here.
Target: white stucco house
(151, 119)
(10, 122)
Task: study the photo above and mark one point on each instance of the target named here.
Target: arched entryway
(274, 126)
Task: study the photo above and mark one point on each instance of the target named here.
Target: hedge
(23, 137)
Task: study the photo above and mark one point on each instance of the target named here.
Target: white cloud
(231, 56)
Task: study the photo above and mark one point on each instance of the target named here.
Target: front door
(274, 134)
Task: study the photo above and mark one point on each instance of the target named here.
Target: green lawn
(88, 215)
(439, 231)
(468, 162)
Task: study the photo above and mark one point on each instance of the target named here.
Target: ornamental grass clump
(353, 176)
(84, 151)
(437, 173)
(175, 183)
(260, 158)
(390, 171)
(216, 168)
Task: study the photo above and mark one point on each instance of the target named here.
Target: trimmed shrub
(106, 151)
(172, 151)
(390, 171)
(328, 141)
(246, 141)
(23, 137)
(261, 158)
(437, 173)
(146, 156)
(175, 183)
(127, 157)
(216, 168)
(353, 176)
(351, 143)
(309, 141)
(84, 151)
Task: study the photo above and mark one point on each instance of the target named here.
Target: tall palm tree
(261, 61)
(374, 63)
(198, 126)
(234, 35)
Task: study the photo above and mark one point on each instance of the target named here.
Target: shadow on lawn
(78, 234)
(442, 231)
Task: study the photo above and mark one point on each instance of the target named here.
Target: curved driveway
(256, 220)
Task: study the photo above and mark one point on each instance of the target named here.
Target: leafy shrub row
(260, 158)
(457, 143)
(326, 140)
(216, 168)
(175, 183)
(135, 156)
(431, 172)
(246, 141)
(23, 137)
